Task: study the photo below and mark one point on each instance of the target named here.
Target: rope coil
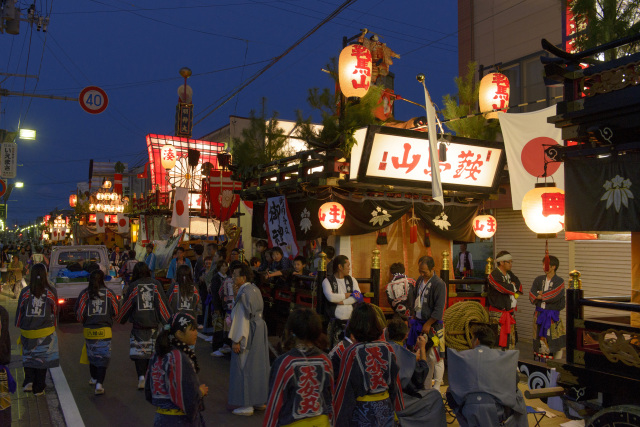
(458, 318)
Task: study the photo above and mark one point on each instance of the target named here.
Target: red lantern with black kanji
(494, 94)
(484, 226)
(331, 215)
(354, 70)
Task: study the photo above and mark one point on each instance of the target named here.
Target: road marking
(67, 402)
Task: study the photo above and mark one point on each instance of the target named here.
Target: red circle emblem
(533, 156)
(180, 207)
(101, 222)
(122, 222)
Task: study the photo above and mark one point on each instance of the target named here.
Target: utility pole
(10, 18)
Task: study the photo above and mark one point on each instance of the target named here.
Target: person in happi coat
(547, 293)
(465, 261)
(150, 258)
(400, 291)
(96, 307)
(335, 355)
(504, 290)
(368, 392)
(301, 380)
(7, 382)
(183, 295)
(249, 375)
(341, 292)
(483, 383)
(421, 407)
(172, 384)
(176, 262)
(146, 307)
(36, 317)
(429, 306)
(216, 309)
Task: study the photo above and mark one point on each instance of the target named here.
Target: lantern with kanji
(354, 70)
(168, 156)
(494, 94)
(331, 215)
(73, 200)
(543, 209)
(484, 226)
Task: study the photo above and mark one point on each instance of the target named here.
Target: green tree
(464, 104)
(607, 20)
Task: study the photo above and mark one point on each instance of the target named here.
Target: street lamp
(27, 134)
(19, 184)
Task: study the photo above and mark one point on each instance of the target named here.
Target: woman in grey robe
(249, 376)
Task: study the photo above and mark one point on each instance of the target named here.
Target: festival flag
(123, 223)
(224, 202)
(143, 234)
(100, 223)
(54, 235)
(436, 185)
(62, 233)
(180, 217)
(280, 227)
(117, 183)
(526, 136)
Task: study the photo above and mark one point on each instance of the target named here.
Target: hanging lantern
(494, 94)
(484, 226)
(168, 156)
(73, 200)
(543, 209)
(354, 70)
(331, 215)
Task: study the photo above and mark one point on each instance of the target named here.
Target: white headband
(506, 257)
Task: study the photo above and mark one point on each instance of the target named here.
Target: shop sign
(9, 153)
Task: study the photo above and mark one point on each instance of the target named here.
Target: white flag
(526, 136)
(180, 217)
(100, 226)
(55, 235)
(436, 184)
(123, 223)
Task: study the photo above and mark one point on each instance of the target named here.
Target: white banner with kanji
(123, 223)
(180, 217)
(280, 228)
(526, 136)
(100, 226)
(143, 234)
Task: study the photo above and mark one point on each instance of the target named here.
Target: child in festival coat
(301, 380)
(183, 296)
(172, 383)
(96, 308)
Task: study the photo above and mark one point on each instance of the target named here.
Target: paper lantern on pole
(168, 156)
(494, 94)
(354, 70)
(331, 215)
(484, 226)
(73, 200)
(543, 209)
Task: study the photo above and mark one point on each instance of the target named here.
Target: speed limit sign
(93, 100)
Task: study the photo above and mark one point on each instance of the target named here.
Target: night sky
(135, 49)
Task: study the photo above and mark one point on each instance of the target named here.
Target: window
(68, 258)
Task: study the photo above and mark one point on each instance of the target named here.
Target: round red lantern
(484, 226)
(73, 200)
(543, 209)
(331, 215)
(354, 70)
(494, 94)
(168, 156)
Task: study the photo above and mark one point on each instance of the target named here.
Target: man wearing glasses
(504, 289)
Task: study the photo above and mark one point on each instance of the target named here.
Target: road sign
(3, 187)
(93, 100)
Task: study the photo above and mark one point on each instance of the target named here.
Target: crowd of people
(363, 371)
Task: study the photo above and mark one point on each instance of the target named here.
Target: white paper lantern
(543, 209)
(168, 156)
(354, 70)
(485, 226)
(494, 94)
(331, 215)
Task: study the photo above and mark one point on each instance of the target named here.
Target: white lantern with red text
(543, 209)
(73, 200)
(494, 94)
(168, 156)
(354, 70)
(331, 215)
(484, 226)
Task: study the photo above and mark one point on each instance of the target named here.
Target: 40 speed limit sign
(93, 100)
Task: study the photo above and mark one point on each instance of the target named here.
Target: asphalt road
(124, 405)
